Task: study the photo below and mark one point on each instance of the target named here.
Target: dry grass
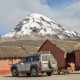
(14, 51)
(36, 43)
(66, 46)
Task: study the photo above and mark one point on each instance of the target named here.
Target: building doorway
(70, 60)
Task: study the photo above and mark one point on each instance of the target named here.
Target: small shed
(58, 54)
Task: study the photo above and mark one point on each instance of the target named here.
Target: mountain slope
(39, 25)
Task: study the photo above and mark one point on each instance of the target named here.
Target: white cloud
(12, 11)
(70, 16)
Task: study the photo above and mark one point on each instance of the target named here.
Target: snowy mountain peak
(37, 24)
(37, 16)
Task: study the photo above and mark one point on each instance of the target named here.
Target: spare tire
(53, 63)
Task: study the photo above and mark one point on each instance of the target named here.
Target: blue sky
(58, 3)
(64, 12)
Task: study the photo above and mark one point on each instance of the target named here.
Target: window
(45, 57)
(35, 58)
(23, 60)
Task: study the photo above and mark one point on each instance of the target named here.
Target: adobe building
(67, 53)
(63, 52)
(12, 54)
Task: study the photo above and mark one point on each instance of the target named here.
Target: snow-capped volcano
(37, 24)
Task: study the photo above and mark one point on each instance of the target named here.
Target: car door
(21, 65)
(28, 63)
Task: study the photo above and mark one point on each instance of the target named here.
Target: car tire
(34, 72)
(53, 64)
(15, 72)
(49, 73)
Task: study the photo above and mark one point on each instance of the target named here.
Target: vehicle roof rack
(45, 52)
(40, 52)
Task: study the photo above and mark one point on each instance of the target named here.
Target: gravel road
(42, 77)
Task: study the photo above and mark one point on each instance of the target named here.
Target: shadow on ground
(25, 76)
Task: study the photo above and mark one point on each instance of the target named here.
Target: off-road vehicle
(34, 64)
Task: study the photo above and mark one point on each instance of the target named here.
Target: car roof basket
(44, 52)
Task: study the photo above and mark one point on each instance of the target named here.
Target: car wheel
(53, 64)
(49, 73)
(34, 72)
(15, 72)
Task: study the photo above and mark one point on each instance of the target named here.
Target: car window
(29, 59)
(35, 58)
(23, 60)
(45, 57)
(26, 59)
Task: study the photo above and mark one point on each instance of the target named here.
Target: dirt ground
(75, 76)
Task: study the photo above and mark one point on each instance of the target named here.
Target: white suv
(34, 64)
